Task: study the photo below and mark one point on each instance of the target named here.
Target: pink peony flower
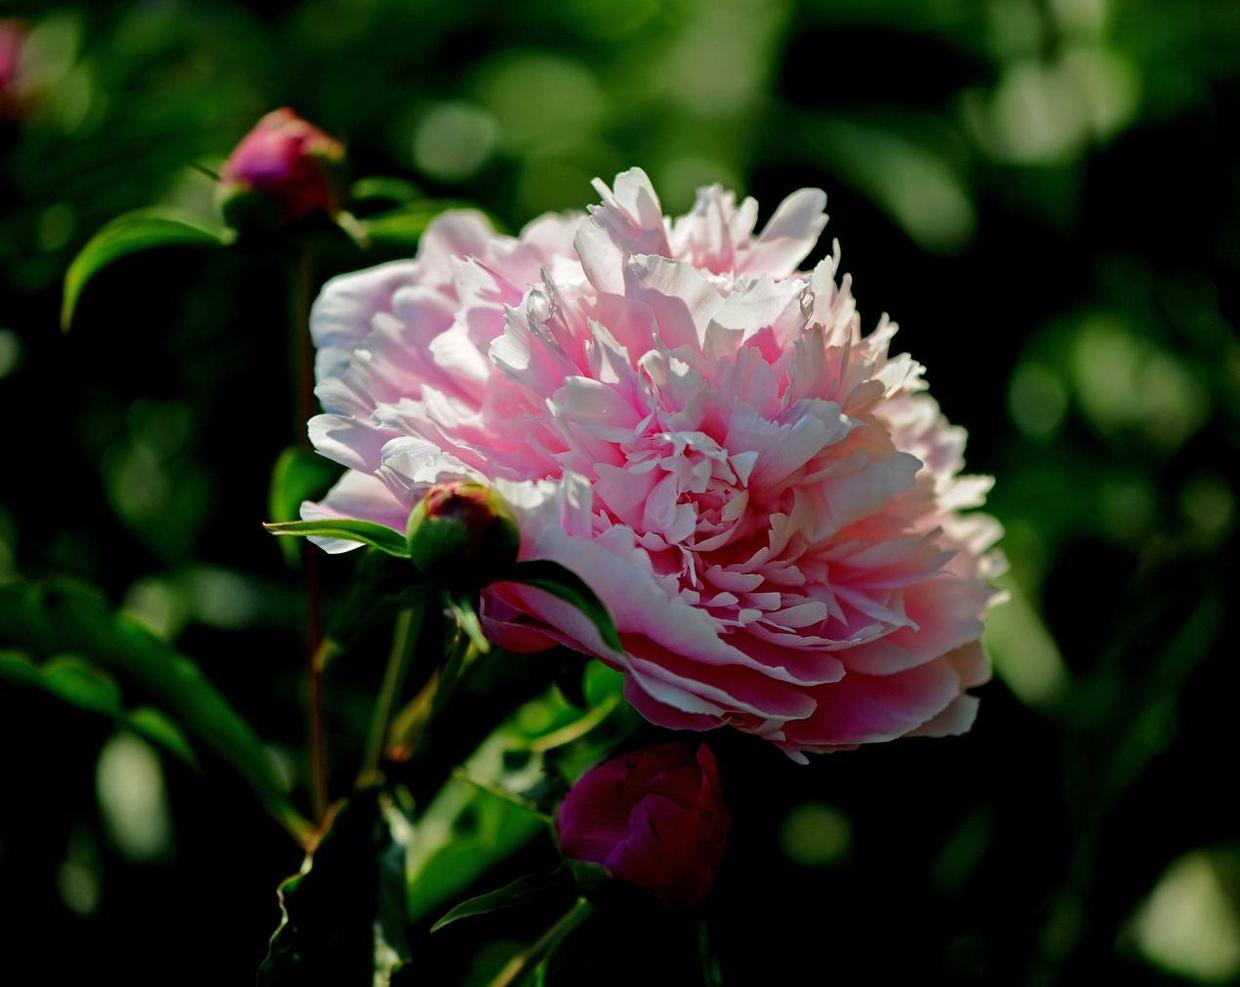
(769, 504)
(654, 818)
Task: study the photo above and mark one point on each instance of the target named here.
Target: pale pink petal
(357, 495)
(789, 235)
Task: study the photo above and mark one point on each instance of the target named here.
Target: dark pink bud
(654, 818)
(283, 170)
(12, 44)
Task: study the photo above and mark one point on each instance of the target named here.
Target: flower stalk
(527, 959)
(404, 640)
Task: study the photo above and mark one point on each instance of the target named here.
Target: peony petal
(357, 495)
(789, 235)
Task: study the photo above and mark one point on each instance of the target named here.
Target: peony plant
(769, 504)
(618, 480)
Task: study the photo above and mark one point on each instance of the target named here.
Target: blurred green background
(1045, 193)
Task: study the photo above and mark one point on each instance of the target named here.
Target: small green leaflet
(523, 890)
(363, 532)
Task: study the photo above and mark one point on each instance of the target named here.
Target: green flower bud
(462, 534)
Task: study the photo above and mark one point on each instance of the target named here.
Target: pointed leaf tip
(142, 229)
(364, 532)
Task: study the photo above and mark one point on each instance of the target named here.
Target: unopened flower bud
(283, 170)
(654, 819)
(462, 533)
(12, 51)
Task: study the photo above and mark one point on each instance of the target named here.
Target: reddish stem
(310, 556)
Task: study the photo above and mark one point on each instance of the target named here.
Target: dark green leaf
(298, 475)
(553, 578)
(157, 727)
(342, 916)
(363, 532)
(70, 618)
(80, 684)
(143, 229)
(531, 887)
(491, 806)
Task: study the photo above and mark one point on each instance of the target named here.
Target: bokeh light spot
(1189, 925)
(453, 140)
(129, 783)
(815, 834)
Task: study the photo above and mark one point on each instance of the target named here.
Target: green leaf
(553, 578)
(364, 532)
(523, 890)
(158, 728)
(80, 684)
(491, 806)
(342, 916)
(142, 229)
(70, 618)
(402, 228)
(298, 475)
(383, 189)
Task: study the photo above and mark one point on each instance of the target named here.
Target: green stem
(404, 638)
(408, 724)
(521, 964)
(578, 728)
(711, 974)
(316, 648)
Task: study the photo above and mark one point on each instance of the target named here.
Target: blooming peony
(768, 503)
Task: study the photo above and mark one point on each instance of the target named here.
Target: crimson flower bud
(12, 45)
(462, 533)
(654, 818)
(283, 170)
